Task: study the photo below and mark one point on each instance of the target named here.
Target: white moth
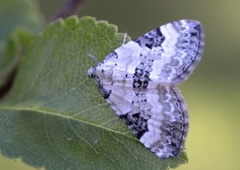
(139, 79)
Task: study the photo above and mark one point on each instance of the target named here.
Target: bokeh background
(212, 92)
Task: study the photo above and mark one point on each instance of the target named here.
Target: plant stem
(69, 8)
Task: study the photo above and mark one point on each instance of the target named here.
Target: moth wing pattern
(139, 79)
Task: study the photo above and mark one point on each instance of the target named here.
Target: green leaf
(15, 15)
(55, 117)
(11, 55)
(18, 13)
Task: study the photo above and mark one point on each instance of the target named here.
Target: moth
(139, 79)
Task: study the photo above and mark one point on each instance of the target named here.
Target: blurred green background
(212, 92)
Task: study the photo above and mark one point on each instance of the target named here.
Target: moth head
(92, 72)
(100, 72)
(96, 71)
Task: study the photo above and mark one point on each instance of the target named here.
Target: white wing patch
(138, 81)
